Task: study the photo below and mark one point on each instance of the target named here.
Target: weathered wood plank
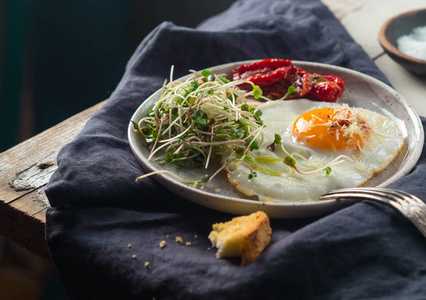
(30, 203)
(24, 171)
(24, 230)
(41, 216)
(29, 165)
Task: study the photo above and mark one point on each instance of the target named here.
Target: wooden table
(26, 168)
(24, 171)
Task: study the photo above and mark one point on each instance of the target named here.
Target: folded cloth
(104, 229)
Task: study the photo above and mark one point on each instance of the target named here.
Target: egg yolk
(331, 129)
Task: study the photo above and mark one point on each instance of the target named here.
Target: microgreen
(258, 113)
(253, 145)
(277, 141)
(197, 115)
(206, 74)
(257, 92)
(245, 107)
(204, 178)
(201, 118)
(224, 79)
(291, 90)
(252, 175)
(290, 161)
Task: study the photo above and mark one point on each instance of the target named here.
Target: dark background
(58, 58)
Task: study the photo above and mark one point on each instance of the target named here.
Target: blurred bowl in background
(397, 27)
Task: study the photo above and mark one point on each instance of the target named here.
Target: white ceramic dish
(360, 91)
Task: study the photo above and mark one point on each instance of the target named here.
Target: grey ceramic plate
(360, 91)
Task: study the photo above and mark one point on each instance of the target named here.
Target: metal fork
(408, 205)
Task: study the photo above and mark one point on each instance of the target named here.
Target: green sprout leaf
(204, 178)
(193, 87)
(289, 161)
(291, 90)
(277, 139)
(254, 145)
(327, 171)
(201, 123)
(206, 73)
(252, 175)
(245, 107)
(224, 79)
(257, 92)
(197, 115)
(135, 125)
(239, 134)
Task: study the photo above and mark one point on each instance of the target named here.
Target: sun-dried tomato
(326, 88)
(262, 73)
(296, 77)
(276, 76)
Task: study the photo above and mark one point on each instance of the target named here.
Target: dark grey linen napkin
(103, 227)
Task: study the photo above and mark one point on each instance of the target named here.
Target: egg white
(384, 143)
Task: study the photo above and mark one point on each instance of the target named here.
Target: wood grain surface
(24, 171)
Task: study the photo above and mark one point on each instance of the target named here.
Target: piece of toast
(245, 236)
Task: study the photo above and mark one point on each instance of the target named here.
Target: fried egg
(325, 145)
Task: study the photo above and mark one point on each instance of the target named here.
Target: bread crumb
(134, 256)
(217, 190)
(162, 244)
(188, 244)
(146, 264)
(129, 246)
(179, 240)
(267, 200)
(167, 236)
(195, 236)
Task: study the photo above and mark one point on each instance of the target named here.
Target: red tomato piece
(327, 88)
(275, 77)
(296, 77)
(262, 73)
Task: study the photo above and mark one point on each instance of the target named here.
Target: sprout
(291, 90)
(252, 175)
(257, 92)
(206, 74)
(199, 119)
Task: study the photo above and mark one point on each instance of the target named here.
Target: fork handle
(418, 217)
